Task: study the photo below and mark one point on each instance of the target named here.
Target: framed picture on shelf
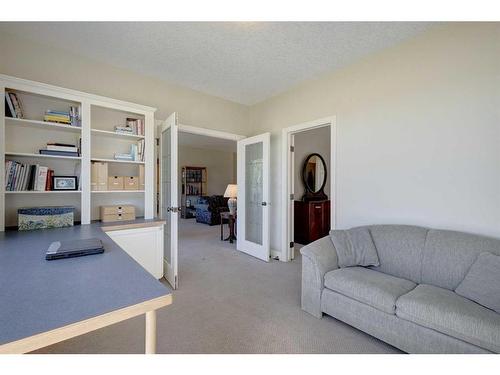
(64, 183)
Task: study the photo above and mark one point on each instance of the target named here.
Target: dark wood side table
(231, 222)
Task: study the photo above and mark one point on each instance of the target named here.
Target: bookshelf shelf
(115, 134)
(117, 191)
(118, 161)
(44, 192)
(98, 116)
(31, 155)
(41, 124)
(194, 185)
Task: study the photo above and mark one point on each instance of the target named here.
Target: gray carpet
(229, 302)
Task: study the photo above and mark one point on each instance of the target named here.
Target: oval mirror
(314, 173)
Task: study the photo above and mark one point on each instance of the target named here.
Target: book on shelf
(71, 117)
(57, 116)
(60, 149)
(136, 152)
(58, 153)
(14, 105)
(27, 177)
(132, 126)
(121, 156)
(9, 107)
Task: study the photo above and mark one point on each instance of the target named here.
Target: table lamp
(231, 193)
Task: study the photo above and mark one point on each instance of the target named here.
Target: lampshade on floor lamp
(231, 193)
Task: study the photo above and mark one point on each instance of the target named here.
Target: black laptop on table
(75, 248)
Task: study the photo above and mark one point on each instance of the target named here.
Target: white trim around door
(210, 132)
(287, 179)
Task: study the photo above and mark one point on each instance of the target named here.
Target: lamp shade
(231, 191)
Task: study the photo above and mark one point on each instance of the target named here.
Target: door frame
(287, 176)
(209, 132)
(181, 128)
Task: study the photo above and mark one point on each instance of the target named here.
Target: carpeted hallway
(229, 302)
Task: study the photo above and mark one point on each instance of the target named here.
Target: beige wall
(418, 132)
(219, 164)
(25, 59)
(306, 143)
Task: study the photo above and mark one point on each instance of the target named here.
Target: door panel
(168, 196)
(253, 196)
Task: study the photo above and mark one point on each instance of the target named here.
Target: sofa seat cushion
(445, 311)
(373, 288)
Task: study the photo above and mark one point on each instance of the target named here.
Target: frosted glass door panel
(254, 192)
(253, 196)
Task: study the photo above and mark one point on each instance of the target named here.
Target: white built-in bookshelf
(22, 138)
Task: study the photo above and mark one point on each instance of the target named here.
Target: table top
(37, 295)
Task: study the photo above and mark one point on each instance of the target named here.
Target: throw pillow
(482, 282)
(355, 247)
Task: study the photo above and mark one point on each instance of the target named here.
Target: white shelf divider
(43, 192)
(41, 124)
(117, 191)
(117, 161)
(32, 155)
(115, 134)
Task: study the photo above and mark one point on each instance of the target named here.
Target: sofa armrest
(318, 258)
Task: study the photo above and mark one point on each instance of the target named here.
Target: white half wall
(418, 132)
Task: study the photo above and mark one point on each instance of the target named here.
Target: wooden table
(231, 221)
(45, 302)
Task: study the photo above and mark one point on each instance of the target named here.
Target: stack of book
(60, 149)
(132, 127)
(136, 152)
(122, 156)
(60, 117)
(72, 117)
(13, 106)
(27, 177)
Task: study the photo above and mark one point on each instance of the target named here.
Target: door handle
(264, 203)
(173, 209)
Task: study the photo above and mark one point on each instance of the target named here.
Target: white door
(169, 209)
(253, 196)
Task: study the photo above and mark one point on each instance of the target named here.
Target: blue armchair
(208, 209)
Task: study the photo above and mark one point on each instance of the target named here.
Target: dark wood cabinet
(312, 221)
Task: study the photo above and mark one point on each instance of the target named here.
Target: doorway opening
(309, 197)
(194, 164)
(206, 183)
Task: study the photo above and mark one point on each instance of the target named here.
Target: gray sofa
(409, 300)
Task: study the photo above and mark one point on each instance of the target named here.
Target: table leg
(151, 332)
(221, 226)
(231, 229)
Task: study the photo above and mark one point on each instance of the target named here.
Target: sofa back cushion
(449, 255)
(400, 250)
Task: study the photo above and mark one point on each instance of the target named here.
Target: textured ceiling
(245, 62)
